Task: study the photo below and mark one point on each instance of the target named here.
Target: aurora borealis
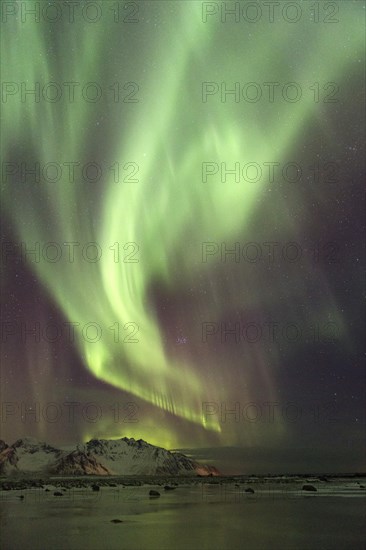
(121, 164)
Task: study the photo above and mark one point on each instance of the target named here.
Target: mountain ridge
(102, 457)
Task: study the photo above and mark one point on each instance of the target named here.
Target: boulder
(116, 521)
(308, 487)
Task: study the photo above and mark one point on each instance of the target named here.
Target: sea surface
(201, 516)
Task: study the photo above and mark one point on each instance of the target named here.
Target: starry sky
(118, 324)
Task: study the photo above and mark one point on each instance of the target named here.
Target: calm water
(212, 518)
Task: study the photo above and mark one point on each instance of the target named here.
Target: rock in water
(154, 494)
(169, 488)
(249, 490)
(95, 487)
(308, 487)
(58, 494)
(116, 521)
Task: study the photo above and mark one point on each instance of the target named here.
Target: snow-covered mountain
(97, 457)
(27, 455)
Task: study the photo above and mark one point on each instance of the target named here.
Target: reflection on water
(206, 517)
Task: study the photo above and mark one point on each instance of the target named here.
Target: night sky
(146, 251)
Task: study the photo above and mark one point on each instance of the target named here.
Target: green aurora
(165, 209)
